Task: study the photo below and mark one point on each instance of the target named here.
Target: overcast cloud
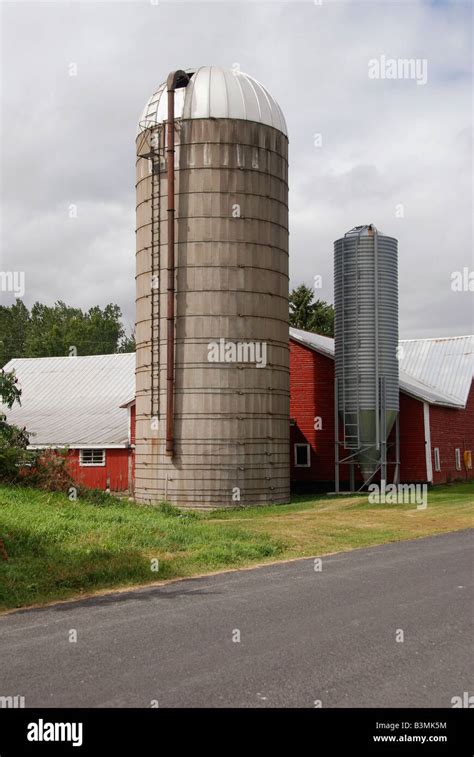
(70, 139)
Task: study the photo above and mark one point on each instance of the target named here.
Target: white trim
(308, 448)
(427, 435)
(437, 459)
(78, 446)
(437, 403)
(128, 402)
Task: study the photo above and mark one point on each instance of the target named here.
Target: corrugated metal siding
(74, 400)
(366, 322)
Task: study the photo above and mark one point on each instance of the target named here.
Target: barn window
(90, 457)
(302, 456)
(458, 458)
(437, 461)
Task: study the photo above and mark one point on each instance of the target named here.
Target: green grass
(59, 549)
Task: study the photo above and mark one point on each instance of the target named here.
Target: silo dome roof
(214, 92)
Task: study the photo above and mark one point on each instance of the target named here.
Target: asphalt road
(304, 636)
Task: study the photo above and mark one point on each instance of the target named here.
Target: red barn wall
(113, 474)
(451, 429)
(311, 395)
(412, 440)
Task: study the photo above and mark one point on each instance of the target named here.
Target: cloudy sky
(392, 151)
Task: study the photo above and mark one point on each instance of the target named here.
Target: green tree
(10, 392)
(128, 343)
(53, 331)
(50, 329)
(97, 332)
(323, 318)
(14, 323)
(309, 314)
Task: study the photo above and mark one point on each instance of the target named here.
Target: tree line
(61, 330)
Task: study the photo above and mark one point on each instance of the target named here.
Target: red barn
(86, 405)
(79, 404)
(436, 421)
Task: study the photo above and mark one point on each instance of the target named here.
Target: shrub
(12, 461)
(13, 451)
(13, 440)
(48, 470)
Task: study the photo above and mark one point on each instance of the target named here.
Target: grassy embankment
(58, 549)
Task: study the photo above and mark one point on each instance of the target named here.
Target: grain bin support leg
(383, 434)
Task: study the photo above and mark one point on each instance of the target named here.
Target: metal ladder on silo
(351, 409)
(156, 156)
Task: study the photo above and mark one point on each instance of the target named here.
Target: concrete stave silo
(366, 344)
(231, 419)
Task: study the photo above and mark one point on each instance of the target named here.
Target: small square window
(302, 456)
(437, 461)
(458, 458)
(91, 457)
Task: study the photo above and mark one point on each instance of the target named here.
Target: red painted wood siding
(451, 429)
(113, 474)
(311, 395)
(412, 440)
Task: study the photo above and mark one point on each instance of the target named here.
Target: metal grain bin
(366, 341)
(230, 442)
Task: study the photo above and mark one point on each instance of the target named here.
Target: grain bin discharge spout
(175, 79)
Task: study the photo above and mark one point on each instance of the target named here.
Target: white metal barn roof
(74, 401)
(438, 371)
(215, 92)
(445, 363)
